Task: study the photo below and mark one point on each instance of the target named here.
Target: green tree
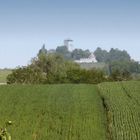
(101, 55)
(41, 59)
(26, 75)
(63, 50)
(120, 75)
(79, 53)
(112, 55)
(117, 55)
(42, 51)
(56, 69)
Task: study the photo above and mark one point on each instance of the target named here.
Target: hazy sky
(26, 24)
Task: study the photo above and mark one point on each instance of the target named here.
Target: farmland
(121, 101)
(53, 112)
(108, 111)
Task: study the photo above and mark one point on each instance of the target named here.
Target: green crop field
(53, 112)
(108, 111)
(122, 104)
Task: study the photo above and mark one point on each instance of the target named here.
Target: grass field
(3, 75)
(108, 111)
(54, 112)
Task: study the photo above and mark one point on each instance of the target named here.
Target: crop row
(122, 111)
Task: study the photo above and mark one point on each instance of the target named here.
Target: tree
(79, 53)
(95, 76)
(42, 51)
(63, 50)
(41, 59)
(56, 69)
(101, 55)
(118, 75)
(112, 55)
(73, 72)
(117, 55)
(130, 66)
(26, 75)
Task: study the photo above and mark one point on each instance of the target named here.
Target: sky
(25, 25)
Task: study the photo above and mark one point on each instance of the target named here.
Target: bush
(26, 75)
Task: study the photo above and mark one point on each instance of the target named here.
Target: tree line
(117, 63)
(53, 68)
(75, 54)
(57, 66)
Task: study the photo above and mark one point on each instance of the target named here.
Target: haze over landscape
(26, 25)
(69, 70)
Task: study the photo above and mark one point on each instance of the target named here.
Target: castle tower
(68, 44)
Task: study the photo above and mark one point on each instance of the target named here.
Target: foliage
(101, 55)
(117, 64)
(56, 69)
(112, 55)
(79, 53)
(95, 76)
(76, 54)
(117, 75)
(63, 50)
(53, 68)
(117, 55)
(26, 75)
(42, 51)
(123, 69)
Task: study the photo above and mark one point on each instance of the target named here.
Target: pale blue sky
(26, 24)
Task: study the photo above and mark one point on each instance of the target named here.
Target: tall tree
(79, 53)
(63, 50)
(42, 58)
(118, 55)
(42, 51)
(101, 55)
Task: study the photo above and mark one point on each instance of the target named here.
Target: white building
(91, 59)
